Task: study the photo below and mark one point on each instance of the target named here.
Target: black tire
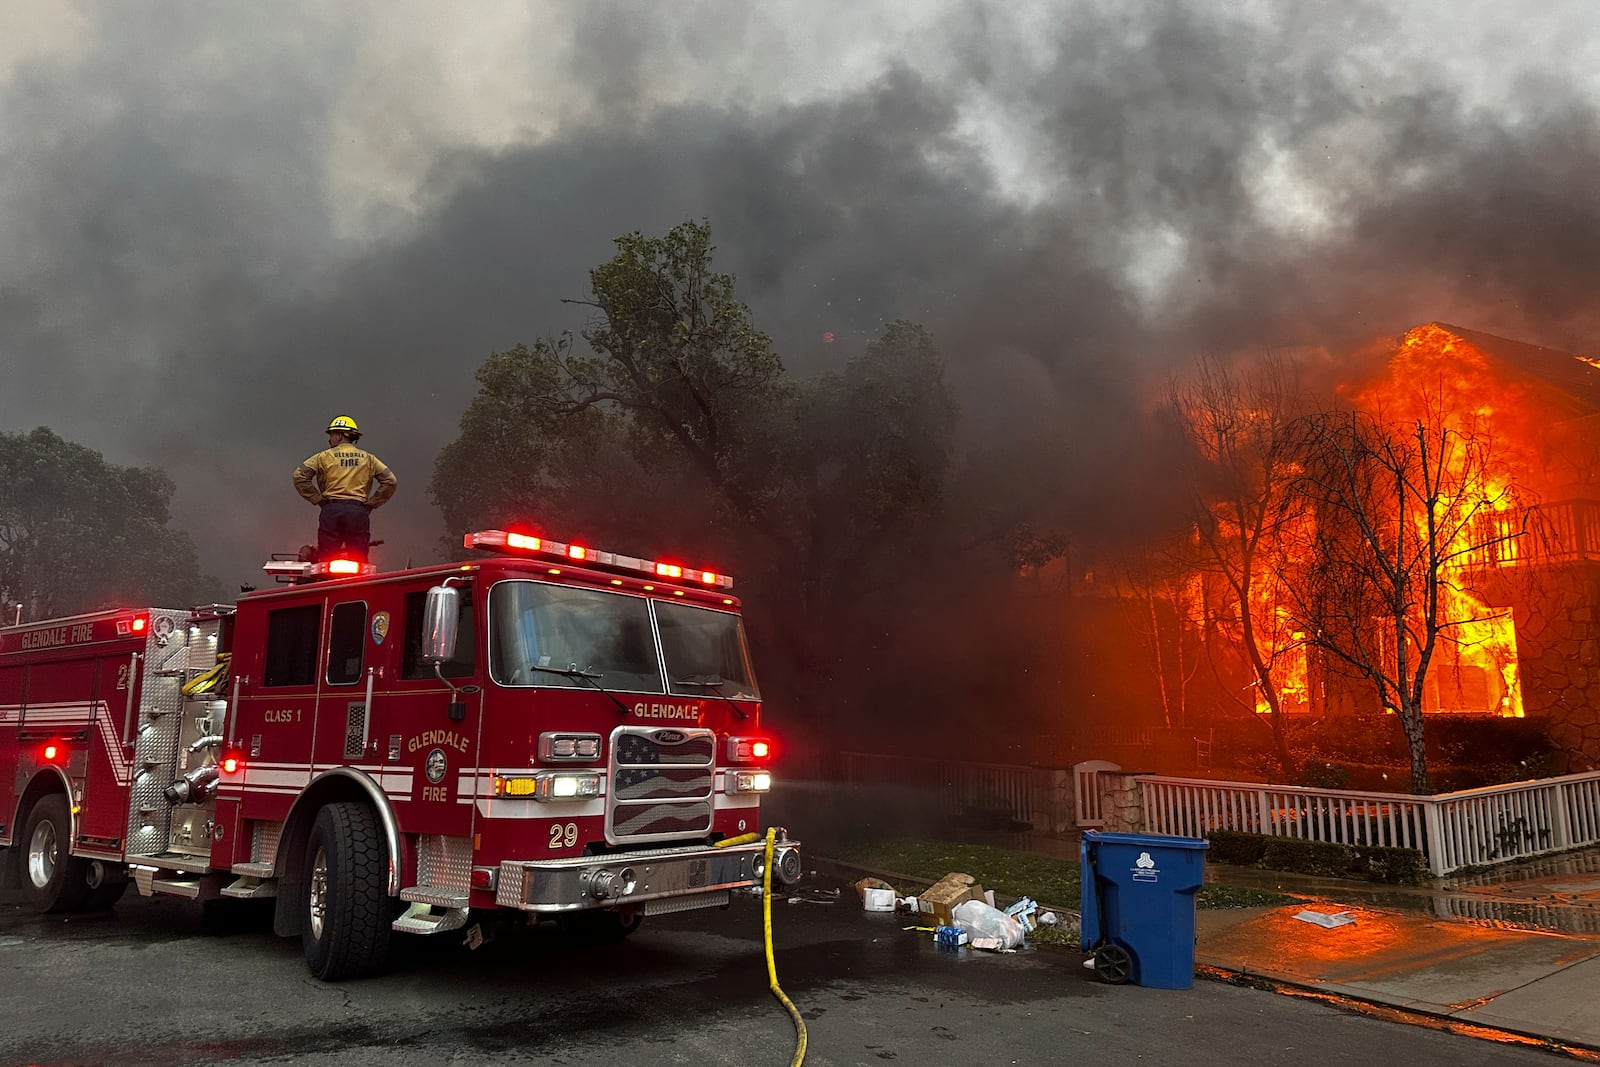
(1113, 964)
(105, 895)
(347, 908)
(53, 880)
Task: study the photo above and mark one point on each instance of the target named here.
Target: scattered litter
(983, 920)
(935, 902)
(813, 895)
(1048, 918)
(988, 944)
(878, 899)
(1023, 911)
(1325, 920)
(865, 884)
(952, 936)
(907, 904)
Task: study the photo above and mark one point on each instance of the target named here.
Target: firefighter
(346, 483)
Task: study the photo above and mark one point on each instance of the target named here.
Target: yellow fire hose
(766, 925)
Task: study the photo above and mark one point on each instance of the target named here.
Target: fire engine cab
(555, 732)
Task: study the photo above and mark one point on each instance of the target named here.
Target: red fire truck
(553, 732)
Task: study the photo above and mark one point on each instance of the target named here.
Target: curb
(1394, 1013)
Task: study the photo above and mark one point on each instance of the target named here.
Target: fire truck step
(253, 870)
(422, 919)
(174, 861)
(669, 905)
(435, 895)
(250, 889)
(178, 887)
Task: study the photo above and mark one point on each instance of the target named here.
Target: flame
(1474, 669)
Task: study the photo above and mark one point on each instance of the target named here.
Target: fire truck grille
(678, 820)
(661, 783)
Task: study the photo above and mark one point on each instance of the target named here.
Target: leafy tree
(670, 422)
(78, 533)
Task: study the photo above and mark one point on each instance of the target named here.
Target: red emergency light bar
(296, 570)
(502, 541)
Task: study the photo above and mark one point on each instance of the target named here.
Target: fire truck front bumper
(661, 880)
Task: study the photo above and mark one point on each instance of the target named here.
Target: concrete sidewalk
(1535, 984)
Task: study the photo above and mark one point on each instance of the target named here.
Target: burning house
(1307, 567)
(1483, 566)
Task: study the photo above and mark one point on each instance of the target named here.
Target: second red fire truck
(555, 731)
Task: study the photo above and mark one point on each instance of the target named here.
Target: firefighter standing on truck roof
(347, 483)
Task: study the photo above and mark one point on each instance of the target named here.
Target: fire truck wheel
(52, 879)
(347, 906)
(103, 896)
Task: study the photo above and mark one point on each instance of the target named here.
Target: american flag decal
(662, 783)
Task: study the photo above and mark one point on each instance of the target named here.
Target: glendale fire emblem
(435, 766)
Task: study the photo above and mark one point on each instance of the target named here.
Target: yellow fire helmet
(346, 425)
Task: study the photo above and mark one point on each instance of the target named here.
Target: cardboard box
(935, 902)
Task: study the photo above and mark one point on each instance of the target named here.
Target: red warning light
(760, 750)
(50, 751)
(139, 624)
(230, 764)
(344, 566)
(577, 551)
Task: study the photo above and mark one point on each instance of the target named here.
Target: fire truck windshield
(552, 635)
(705, 651)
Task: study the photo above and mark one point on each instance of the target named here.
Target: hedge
(1374, 863)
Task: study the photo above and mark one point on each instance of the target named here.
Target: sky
(222, 224)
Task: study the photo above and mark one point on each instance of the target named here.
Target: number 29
(563, 835)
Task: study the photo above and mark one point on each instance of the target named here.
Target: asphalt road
(153, 983)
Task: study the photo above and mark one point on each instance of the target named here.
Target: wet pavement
(1510, 953)
(1515, 948)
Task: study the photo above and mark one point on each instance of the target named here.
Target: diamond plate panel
(155, 745)
(444, 862)
(264, 841)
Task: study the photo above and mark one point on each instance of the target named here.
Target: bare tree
(1401, 508)
(1247, 432)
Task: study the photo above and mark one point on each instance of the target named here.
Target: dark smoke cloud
(180, 287)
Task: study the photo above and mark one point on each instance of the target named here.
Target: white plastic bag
(984, 920)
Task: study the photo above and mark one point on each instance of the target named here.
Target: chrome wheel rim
(317, 894)
(42, 854)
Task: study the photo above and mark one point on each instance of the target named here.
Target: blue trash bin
(1138, 906)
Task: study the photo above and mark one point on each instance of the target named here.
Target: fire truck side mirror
(439, 620)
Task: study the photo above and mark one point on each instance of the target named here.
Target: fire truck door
(108, 770)
(12, 680)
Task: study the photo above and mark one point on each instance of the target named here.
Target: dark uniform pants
(344, 530)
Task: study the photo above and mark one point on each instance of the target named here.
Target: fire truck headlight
(565, 747)
(749, 781)
(566, 785)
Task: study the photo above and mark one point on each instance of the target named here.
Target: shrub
(1394, 866)
(1374, 863)
(1306, 857)
(1239, 849)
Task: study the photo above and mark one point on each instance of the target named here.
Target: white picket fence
(1471, 828)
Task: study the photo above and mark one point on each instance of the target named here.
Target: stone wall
(1558, 654)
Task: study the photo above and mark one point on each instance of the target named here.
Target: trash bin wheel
(1113, 964)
